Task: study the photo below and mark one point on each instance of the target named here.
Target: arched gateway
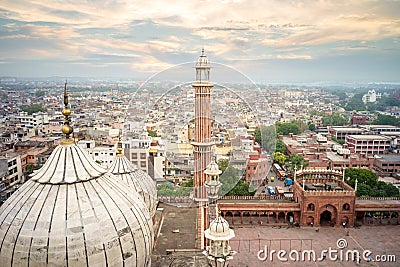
(328, 215)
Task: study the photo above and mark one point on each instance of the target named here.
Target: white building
(371, 96)
(147, 157)
(157, 160)
(10, 174)
(137, 151)
(103, 155)
(35, 120)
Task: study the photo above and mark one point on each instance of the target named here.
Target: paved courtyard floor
(382, 241)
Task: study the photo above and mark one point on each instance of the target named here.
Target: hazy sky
(269, 41)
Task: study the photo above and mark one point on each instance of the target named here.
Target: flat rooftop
(379, 127)
(388, 158)
(347, 129)
(370, 137)
(333, 156)
(378, 202)
(177, 218)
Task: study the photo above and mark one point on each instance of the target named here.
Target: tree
(280, 146)
(337, 140)
(335, 119)
(286, 128)
(368, 184)
(355, 103)
(279, 158)
(32, 108)
(301, 124)
(363, 176)
(152, 133)
(295, 161)
(386, 120)
(232, 185)
(363, 190)
(29, 168)
(169, 190)
(40, 93)
(223, 164)
(3, 95)
(391, 190)
(189, 184)
(311, 126)
(229, 178)
(242, 188)
(266, 137)
(315, 112)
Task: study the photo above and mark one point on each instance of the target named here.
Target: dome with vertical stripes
(140, 181)
(73, 213)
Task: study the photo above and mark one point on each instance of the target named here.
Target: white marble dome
(213, 169)
(140, 181)
(73, 213)
(219, 229)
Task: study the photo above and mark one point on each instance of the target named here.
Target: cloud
(149, 64)
(155, 32)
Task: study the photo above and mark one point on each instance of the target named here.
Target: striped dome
(73, 213)
(137, 179)
(219, 229)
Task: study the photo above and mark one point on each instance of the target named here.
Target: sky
(268, 41)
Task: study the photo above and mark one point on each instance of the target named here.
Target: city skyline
(272, 41)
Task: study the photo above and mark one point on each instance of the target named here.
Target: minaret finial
(66, 129)
(65, 94)
(202, 51)
(119, 146)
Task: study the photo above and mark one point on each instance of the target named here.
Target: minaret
(218, 252)
(202, 141)
(212, 185)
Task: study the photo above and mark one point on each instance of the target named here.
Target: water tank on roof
(343, 151)
(321, 138)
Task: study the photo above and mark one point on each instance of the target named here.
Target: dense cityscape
(199, 133)
(270, 132)
(159, 117)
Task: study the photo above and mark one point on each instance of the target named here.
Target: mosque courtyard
(382, 241)
(178, 248)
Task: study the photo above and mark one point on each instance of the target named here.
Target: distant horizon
(74, 79)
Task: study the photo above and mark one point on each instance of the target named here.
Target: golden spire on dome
(217, 211)
(66, 129)
(119, 146)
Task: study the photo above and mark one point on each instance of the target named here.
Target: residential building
(358, 119)
(35, 120)
(387, 164)
(10, 173)
(257, 168)
(340, 132)
(368, 144)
